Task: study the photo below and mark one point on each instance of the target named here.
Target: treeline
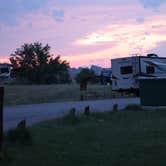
(33, 64)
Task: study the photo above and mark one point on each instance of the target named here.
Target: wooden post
(83, 88)
(1, 117)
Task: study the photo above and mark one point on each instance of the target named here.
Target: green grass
(30, 94)
(130, 138)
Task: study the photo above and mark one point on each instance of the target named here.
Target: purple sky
(85, 32)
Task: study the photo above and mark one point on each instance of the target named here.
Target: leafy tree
(58, 71)
(34, 64)
(86, 75)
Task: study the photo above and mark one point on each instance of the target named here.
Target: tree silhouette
(33, 63)
(86, 75)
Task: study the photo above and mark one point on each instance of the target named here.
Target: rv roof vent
(152, 55)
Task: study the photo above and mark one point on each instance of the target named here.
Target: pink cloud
(130, 38)
(90, 33)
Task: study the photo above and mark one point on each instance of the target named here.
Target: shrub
(19, 135)
(71, 117)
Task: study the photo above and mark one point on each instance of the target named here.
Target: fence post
(1, 117)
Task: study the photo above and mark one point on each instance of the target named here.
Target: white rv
(127, 71)
(4, 72)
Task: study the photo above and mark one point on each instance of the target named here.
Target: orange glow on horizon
(4, 60)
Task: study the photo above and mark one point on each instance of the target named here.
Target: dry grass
(124, 138)
(30, 94)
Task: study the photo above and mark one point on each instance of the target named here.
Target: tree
(86, 75)
(58, 71)
(34, 64)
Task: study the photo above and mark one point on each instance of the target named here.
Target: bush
(19, 135)
(86, 75)
(71, 117)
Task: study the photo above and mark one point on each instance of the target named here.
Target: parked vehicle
(127, 71)
(4, 72)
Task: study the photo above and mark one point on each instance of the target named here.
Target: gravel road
(36, 113)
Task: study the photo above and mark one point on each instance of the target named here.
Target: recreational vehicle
(127, 71)
(4, 72)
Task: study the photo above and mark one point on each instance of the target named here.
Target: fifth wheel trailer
(127, 71)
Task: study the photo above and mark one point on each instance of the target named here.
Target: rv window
(4, 70)
(126, 70)
(149, 69)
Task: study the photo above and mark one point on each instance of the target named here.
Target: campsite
(84, 121)
(132, 135)
(82, 83)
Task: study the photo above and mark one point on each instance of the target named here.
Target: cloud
(92, 2)
(140, 20)
(152, 3)
(101, 29)
(11, 11)
(31, 5)
(160, 49)
(131, 38)
(59, 15)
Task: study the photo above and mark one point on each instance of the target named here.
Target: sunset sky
(85, 32)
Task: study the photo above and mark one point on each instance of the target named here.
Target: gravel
(36, 113)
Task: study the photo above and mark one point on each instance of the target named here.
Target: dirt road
(40, 112)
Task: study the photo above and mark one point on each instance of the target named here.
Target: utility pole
(1, 118)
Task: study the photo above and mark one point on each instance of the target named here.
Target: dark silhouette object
(86, 75)
(115, 107)
(83, 88)
(72, 112)
(83, 78)
(20, 134)
(71, 117)
(33, 63)
(87, 111)
(21, 124)
(83, 85)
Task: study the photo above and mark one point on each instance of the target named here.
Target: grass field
(126, 138)
(30, 94)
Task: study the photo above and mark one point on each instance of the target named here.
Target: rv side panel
(153, 66)
(124, 71)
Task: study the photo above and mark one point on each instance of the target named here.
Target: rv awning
(159, 65)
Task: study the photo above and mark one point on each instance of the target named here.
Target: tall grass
(30, 94)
